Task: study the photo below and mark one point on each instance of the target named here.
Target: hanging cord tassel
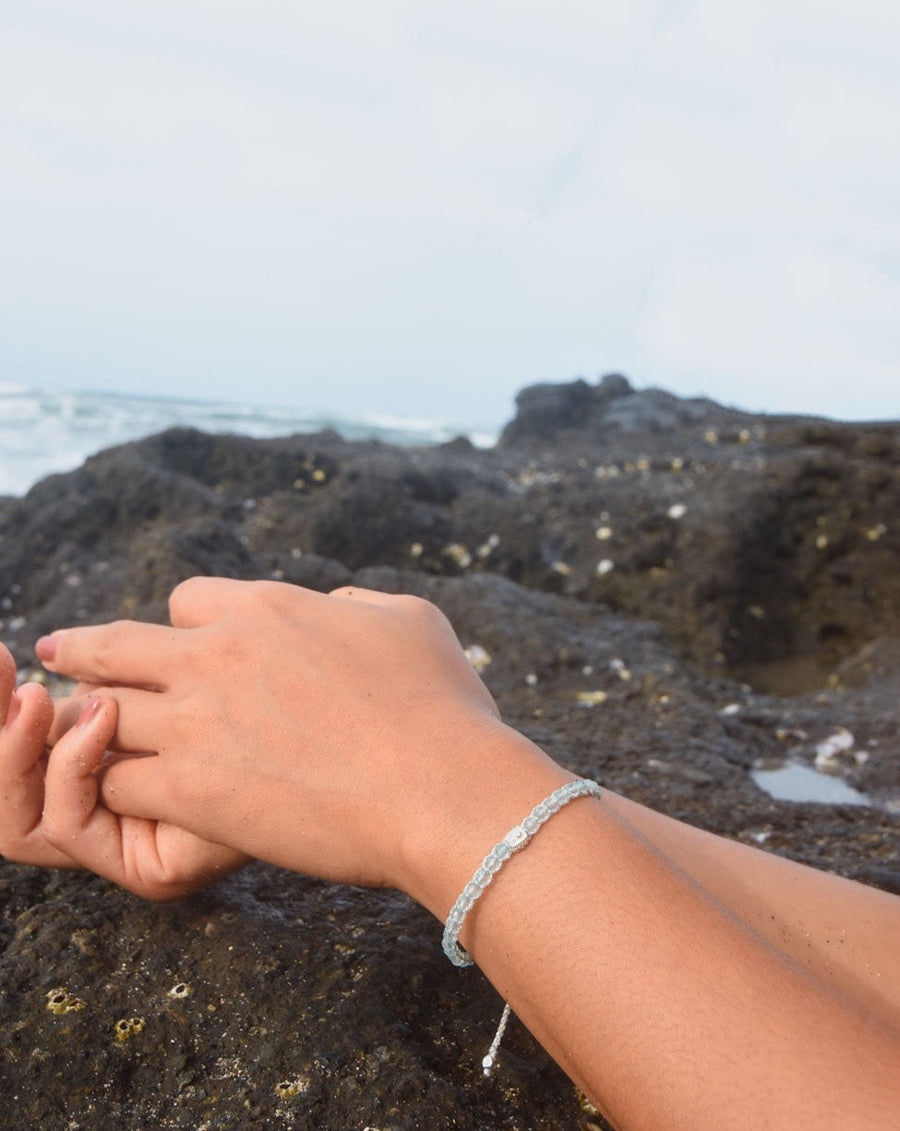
(488, 1062)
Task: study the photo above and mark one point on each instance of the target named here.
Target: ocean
(49, 430)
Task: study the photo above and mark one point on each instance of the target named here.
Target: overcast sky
(417, 208)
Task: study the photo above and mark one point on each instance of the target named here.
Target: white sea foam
(49, 430)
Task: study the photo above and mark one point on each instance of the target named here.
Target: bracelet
(514, 841)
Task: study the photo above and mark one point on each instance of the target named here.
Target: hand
(25, 717)
(335, 735)
(151, 858)
(49, 811)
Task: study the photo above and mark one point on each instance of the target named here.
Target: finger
(146, 721)
(66, 710)
(138, 787)
(8, 677)
(73, 820)
(202, 600)
(24, 734)
(138, 791)
(150, 858)
(22, 752)
(144, 724)
(122, 652)
(187, 862)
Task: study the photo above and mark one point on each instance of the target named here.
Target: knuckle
(256, 597)
(184, 591)
(274, 601)
(171, 881)
(52, 829)
(419, 607)
(267, 592)
(103, 657)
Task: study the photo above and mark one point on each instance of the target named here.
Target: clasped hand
(50, 799)
(319, 732)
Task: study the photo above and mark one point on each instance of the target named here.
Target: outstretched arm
(668, 1008)
(347, 736)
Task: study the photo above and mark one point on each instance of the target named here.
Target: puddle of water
(795, 675)
(796, 782)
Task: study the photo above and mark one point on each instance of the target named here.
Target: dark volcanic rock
(619, 558)
(551, 411)
(767, 547)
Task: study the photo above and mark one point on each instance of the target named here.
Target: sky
(417, 208)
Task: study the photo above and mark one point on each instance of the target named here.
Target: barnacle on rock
(127, 1027)
(295, 1087)
(61, 1001)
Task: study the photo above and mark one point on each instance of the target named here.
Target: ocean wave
(43, 431)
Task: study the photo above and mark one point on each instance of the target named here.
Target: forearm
(667, 1009)
(843, 932)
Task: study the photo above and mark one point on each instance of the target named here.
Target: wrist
(492, 783)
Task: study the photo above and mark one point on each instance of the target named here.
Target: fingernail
(89, 712)
(45, 649)
(15, 705)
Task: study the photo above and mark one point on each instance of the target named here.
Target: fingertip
(8, 678)
(98, 711)
(35, 703)
(89, 711)
(26, 726)
(79, 751)
(46, 647)
(13, 710)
